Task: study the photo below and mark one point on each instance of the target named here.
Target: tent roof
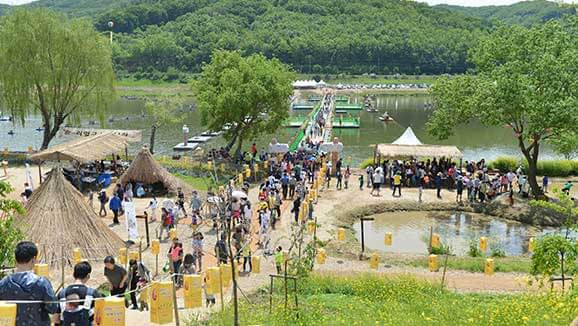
(145, 169)
(84, 149)
(408, 145)
(58, 215)
(408, 138)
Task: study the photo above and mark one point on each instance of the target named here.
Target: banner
(131, 135)
(130, 214)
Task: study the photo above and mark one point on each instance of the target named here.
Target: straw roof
(146, 170)
(408, 145)
(84, 149)
(58, 215)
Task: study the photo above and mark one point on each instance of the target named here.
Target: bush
(504, 164)
(551, 168)
(474, 251)
(366, 163)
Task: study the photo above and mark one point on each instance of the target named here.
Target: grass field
(372, 300)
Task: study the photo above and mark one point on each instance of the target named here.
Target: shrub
(474, 251)
(504, 164)
(367, 162)
(551, 168)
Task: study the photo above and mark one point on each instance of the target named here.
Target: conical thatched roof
(57, 216)
(146, 170)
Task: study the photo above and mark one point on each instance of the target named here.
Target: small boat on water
(5, 118)
(386, 117)
(370, 109)
(11, 132)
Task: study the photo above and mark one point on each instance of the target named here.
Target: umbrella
(239, 194)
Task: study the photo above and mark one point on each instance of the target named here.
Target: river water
(411, 230)
(475, 140)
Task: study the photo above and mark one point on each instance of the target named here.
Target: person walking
(221, 250)
(438, 183)
(397, 184)
(545, 184)
(152, 208)
(285, 185)
(296, 208)
(176, 255)
(361, 182)
(346, 177)
(459, 189)
(102, 199)
(198, 250)
(369, 171)
(24, 285)
(339, 179)
(133, 280)
(115, 206)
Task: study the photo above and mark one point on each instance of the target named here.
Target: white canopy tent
(408, 145)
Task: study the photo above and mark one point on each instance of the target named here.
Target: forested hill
(524, 13)
(323, 36)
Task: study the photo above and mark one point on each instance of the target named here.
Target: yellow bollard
(248, 173)
(531, 245)
(225, 274)
(122, 256)
(112, 312)
(256, 264)
(374, 261)
(213, 282)
(7, 314)
(489, 267)
(341, 234)
(155, 247)
(133, 255)
(77, 255)
(265, 164)
(173, 233)
(321, 256)
(209, 165)
(433, 263)
(387, 239)
(311, 227)
(240, 178)
(161, 308)
(41, 270)
(193, 287)
(256, 167)
(483, 244)
(222, 167)
(435, 240)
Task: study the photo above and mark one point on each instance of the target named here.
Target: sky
(471, 3)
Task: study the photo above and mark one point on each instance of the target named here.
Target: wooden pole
(430, 238)
(62, 266)
(445, 268)
(271, 295)
(220, 275)
(147, 230)
(285, 284)
(175, 307)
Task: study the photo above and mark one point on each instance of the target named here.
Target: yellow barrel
(374, 261)
(433, 263)
(134, 255)
(161, 307)
(213, 280)
(321, 256)
(531, 245)
(7, 314)
(77, 255)
(155, 247)
(41, 270)
(489, 267)
(210, 165)
(112, 312)
(435, 240)
(256, 264)
(222, 167)
(483, 244)
(248, 173)
(341, 234)
(193, 291)
(122, 256)
(311, 227)
(173, 233)
(388, 239)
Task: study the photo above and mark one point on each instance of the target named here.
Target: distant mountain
(73, 8)
(525, 13)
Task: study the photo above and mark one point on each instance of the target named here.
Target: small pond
(411, 230)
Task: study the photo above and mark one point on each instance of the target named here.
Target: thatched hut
(145, 170)
(59, 219)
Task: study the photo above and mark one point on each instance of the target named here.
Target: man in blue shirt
(115, 206)
(24, 285)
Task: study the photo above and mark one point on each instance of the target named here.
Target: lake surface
(411, 230)
(475, 140)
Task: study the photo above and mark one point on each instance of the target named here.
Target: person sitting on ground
(24, 285)
(82, 312)
(567, 187)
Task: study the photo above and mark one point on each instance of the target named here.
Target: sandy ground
(330, 202)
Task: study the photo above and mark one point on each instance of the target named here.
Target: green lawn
(198, 183)
(471, 264)
(372, 300)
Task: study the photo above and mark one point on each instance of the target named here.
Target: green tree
(525, 79)
(557, 253)
(248, 93)
(50, 65)
(9, 233)
(567, 145)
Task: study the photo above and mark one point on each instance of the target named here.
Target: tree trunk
(239, 146)
(152, 139)
(46, 138)
(531, 154)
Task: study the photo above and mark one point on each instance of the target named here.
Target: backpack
(81, 314)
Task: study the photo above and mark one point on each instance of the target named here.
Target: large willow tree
(53, 66)
(525, 79)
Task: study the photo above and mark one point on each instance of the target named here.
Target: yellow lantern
(489, 267)
(387, 239)
(161, 309)
(435, 241)
(76, 254)
(433, 263)
(374, 261)
(122, 256)
(155, 247)
(483, 244)
(41, 270)
(321, 256)
(341, 234)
